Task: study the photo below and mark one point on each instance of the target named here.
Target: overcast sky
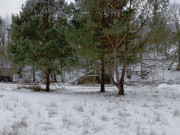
(7, 7)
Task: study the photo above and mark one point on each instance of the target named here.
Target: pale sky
(7, 7)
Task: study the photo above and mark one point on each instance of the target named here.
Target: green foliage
(83, 34)
(115, 28)
(38, 35)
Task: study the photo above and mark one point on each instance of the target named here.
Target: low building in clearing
(6, 74)
(92, 77)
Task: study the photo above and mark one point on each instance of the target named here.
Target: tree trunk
(20, 69)
(55, 78)
(48, 80)
(111, 73)
(34, 76)
(172, 63)
(115, 65)
(121, 88)
(3, 43)
(120, 85)
(87, 65)
(165, 50)
(142, 77)
(111, 78)
(62, 74)
(102, 75)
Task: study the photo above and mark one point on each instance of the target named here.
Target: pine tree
(120, 22)
(89, 40)
(38, 36)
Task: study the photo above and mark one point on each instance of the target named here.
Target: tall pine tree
(120, 22)
(38, 36)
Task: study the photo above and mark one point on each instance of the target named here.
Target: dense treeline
(51, 35)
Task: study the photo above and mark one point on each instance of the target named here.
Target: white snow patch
(83, 110)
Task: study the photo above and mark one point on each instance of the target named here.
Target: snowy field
(82, 110)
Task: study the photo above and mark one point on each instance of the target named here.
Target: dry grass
(20, 124)
(15, 127)
(67, 120)
(52, 112)
(78, 108)
(159, 118)
(104, 118)
(176, 113)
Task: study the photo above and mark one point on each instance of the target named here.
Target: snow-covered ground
(81, 110)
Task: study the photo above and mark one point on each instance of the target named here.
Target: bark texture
(102, 75)
(48, 80)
